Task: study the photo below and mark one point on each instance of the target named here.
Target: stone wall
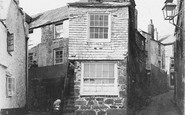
(105, 104)
(158, 81)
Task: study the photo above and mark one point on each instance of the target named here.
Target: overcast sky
(147, 9)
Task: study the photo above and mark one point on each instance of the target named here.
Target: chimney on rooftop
(151, 29)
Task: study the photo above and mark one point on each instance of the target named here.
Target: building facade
(13, 56)
(99, 37)
(179, 57)
(155, 62)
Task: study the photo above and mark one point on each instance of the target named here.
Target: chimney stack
(151, 29)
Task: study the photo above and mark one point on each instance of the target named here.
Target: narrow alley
(161, 105)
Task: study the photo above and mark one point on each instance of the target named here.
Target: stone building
(92, 40)
(179, 57)
(168, 42)
(13, 58)
(155, 62)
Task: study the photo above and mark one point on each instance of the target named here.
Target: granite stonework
(101, 105)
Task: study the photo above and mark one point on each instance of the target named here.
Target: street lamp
(169, 11)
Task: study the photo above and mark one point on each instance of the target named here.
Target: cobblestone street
(161, 105)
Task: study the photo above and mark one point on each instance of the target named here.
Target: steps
(69, 99)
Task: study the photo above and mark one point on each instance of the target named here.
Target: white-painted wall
(14, 62)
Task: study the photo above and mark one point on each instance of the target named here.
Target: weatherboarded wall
(79, 45)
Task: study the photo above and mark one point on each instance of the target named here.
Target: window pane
(58, 56)
(91, 17)
(111, 81)
(92, 70)
(92, 35)
(96, 17)
(101, 17)
(105, 35)
(59, 31)
(92, 81)
(86, 70)
(105, 23)
(86, 81)
(92, 30)
(105, 17)
(98, 81)
(99, 70)
(96, 35)
(92, 23)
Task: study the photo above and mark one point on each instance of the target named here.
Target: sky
(147, 10)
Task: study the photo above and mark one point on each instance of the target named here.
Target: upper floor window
(99, 27)
(10, 42)
(58, 56)
(10, 85)
(59, 32)
(99, 78)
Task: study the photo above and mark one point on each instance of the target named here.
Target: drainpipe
(26, 71)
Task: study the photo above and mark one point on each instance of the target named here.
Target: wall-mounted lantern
(169, 11)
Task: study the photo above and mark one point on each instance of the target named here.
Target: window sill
(58, 63)
(98, 40)
(99, 94)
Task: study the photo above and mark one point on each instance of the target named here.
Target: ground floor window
(99, 78)
(10, 85)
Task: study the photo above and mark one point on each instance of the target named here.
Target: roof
(100, 5)
(49, 17)
(62, 13)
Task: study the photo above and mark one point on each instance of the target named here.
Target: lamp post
(169, 11)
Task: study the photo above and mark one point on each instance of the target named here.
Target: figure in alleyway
(34, 65)
(57, 107)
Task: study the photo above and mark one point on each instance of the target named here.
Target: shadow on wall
(158, 81)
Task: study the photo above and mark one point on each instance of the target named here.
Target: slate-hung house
(13, 56)
(91, 37)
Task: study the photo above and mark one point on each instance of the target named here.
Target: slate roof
(62, 13)
(49, 17)
(100, 5)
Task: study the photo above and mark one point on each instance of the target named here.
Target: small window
(10, 85)
(10, 42)
(59, 31)
(30, 58)
(58, 56)
(99, 26)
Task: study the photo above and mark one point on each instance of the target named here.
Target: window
(159, 51)
(99, 27)
(10, 86)
(10, 42)
(30, 58)
(58, 56)
(99, 79)
(59, 31)
(159, 63)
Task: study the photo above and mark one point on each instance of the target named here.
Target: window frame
(10, 91)
(30, 55)
(101, 93)
(54, 51)
(109, 27)
(55, 30)
(10, 39)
